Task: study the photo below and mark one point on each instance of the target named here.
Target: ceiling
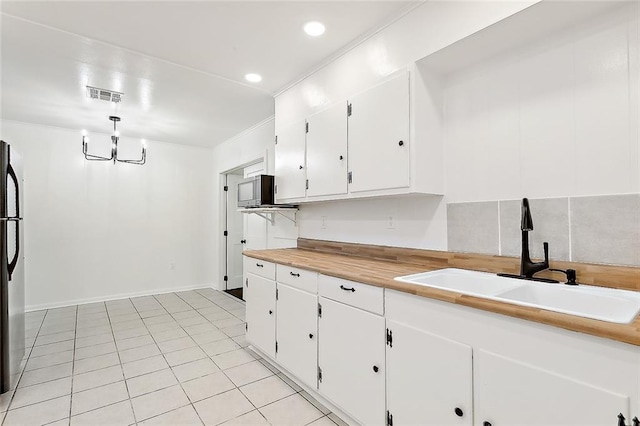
(181, 65)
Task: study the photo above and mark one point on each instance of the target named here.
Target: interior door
(235, 234)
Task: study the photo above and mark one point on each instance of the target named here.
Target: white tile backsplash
(600, 229)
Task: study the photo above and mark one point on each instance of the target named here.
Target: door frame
(222, 203)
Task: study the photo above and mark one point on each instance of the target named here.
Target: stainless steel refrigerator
(12, 325)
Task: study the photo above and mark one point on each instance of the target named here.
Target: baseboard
(119, 296)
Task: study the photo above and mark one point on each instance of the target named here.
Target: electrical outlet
(391, 223)
(324, 222)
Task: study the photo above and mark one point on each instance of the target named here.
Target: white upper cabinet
(386, 140)
(290, 167)
(379, 137)
(327, 151)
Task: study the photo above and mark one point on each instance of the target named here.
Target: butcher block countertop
(381, 273)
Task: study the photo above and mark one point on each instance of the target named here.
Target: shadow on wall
(416, 221)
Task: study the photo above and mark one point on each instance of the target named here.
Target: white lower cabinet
(383, 356)
(428, 378)
(512, 393)
(261, 313)
(351, 357)
(297, 333)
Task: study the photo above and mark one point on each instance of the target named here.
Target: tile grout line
(115, 342)
(73, 365)
(187, 302)
(221, 370)
(274, 374)
(13, 391)
(169, 366)
(207, 355)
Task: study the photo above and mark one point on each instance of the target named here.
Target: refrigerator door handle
(14, 262)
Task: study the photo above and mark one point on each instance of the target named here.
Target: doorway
(243, 231)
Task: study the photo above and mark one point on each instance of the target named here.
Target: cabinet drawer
(260, 268)
(363, 296)
(297, 278)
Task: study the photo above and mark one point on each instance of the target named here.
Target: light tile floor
(171, 359)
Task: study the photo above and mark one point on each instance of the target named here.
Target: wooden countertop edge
(359, 271)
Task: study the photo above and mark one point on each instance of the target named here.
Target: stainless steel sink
(605, 304)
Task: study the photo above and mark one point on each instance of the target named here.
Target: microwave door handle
(14, 262)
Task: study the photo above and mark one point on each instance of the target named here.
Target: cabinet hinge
(276, 294)
(389, 338)
(246, 326)
(246, 282)
(389, 418)
(225, 233)
(306, 127)
(307, 185)
(350, 177)
(226, 188)
(276, 140)
(275, 189)
(226, 278)
(349, 110)
(320, 310)
(320, 374)
(276, 346)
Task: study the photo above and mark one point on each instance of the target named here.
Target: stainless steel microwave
(256, 191)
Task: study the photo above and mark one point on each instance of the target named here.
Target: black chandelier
(115, 137)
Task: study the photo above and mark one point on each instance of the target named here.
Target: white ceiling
(181, 65)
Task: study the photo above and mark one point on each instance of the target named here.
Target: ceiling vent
(104, 94)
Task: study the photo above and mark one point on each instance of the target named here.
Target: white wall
(556, 118)
(415, 221)
(418, 221)
(427, 29)
(95, 230)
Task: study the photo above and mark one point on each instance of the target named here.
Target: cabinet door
(327, 152)
(261, 313)
(429, 378)
(290, 166)
(351, 357)
(379, 137)
(508, 392)
(297, 331)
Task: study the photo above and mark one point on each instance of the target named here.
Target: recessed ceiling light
(314, 28)
(253, 78)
